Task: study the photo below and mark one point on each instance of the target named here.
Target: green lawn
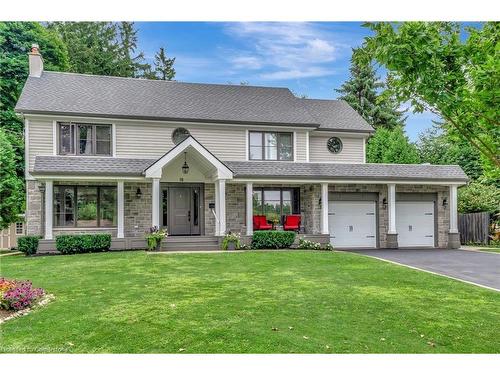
(252, 302)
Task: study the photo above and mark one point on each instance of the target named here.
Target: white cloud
(295, 74)
(284, 50)
(246, 62)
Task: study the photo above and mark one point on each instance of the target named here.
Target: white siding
(40, 139)
(137, 140)
(301, 145)
(352, 150)
(153, 139)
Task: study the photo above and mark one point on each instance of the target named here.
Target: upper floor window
(271, 146)
(84, 139)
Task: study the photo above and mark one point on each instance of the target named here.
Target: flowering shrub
(310, 245)
(18, 295)
(154, 236)
(5, 285)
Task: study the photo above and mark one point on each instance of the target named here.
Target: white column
(391, 207)
(49, 204)
(217, 209)
(324, 208)
(155, 209)
(453, 209)
(221, 212)
(249, 201)
(120, 209)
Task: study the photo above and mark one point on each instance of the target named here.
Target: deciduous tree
(451, 71)
(391, 146)
(11, 186)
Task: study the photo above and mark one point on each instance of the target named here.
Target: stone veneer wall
(236, 208)
(310, 208)
(33, 209)
(138, 211)
(209, 196)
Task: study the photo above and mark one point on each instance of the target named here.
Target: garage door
(352, 224)
(415, 223)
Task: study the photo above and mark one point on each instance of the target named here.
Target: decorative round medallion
(334, 145)
(179, 134)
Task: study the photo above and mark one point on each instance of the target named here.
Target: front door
(182, 211)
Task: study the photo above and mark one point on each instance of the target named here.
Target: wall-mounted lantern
(445, 202)
(138, 193)
(384, 203)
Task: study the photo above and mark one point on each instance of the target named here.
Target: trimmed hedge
(272, 239)
(28, 244)
(83, 243)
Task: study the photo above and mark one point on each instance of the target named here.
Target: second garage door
(415, 224)
(352, 223)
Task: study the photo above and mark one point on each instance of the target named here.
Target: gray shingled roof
(81, 94)
(82, 165)
(67, 165)
(104, 96)
(253, 169)
(336, 115)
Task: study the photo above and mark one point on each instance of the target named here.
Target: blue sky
(308, 58)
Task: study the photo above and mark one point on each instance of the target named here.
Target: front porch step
(193, 243)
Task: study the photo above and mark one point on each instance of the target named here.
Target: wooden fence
(474, 228)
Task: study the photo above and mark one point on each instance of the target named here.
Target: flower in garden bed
(18, 295)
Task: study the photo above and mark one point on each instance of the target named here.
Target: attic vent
(180, 134)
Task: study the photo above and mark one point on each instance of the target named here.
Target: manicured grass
(252, 302)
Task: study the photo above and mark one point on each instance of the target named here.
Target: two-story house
(120, 155)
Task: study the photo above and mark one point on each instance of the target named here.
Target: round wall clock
(334, 145)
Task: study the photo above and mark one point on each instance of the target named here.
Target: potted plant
(154, 236)
(274, 219)
(231, 241)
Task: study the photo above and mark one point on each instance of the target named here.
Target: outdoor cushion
(292, 222)
(260, 223)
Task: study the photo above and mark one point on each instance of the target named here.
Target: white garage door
(415, 223)
(352, 223)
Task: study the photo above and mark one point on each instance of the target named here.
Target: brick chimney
(35, 61)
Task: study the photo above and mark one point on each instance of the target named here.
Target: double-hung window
(84, 139)
(270, 146)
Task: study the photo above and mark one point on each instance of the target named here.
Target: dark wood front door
(183, 210)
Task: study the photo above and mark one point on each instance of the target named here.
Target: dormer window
(84, 139)
(270, 146)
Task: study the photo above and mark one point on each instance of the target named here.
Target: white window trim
(294, 146)
(113, 139)
(247, 145)
(307, 147)
(54, 137)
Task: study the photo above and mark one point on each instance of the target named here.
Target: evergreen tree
(361, 91)
(11, 186)
(391, 146)
(92, 47)
(133, 66)
(164, 65)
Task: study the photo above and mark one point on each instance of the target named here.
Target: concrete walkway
(475, 267)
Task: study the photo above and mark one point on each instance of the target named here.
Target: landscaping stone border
(44, 301)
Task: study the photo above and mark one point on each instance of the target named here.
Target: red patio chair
(260, 223)
(292, 222)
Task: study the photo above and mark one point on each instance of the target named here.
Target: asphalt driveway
(471, 266)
